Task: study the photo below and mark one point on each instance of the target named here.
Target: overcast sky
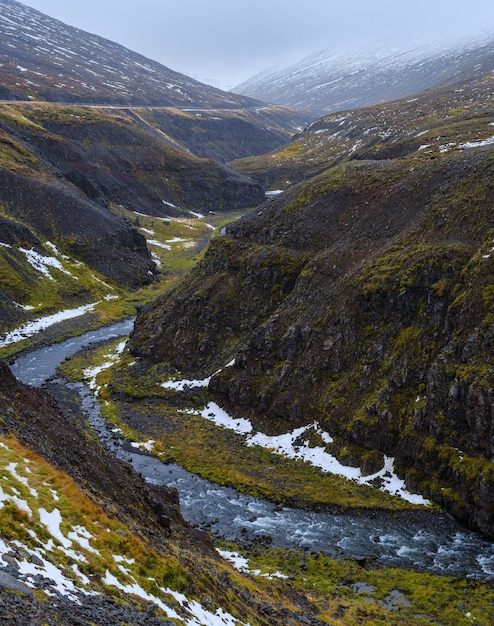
(227, 41)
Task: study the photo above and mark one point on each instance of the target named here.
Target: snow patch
(36, 326)
(242, 565)
(41, 263)
(144, 445)
(194, 614)
(12, 468)
(214, 413)
(159, 244)
(293, 445)
(184, 383)
(52, 522)
(91, 373)
(477, 144)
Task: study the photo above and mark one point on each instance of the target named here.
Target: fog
(224, 43)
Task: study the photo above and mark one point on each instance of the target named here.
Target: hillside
(84, 540)
(72, 181)
(73, 177)
(361, 298)
(332, 81)
(81, 163)
(428, 125)
(44, 59)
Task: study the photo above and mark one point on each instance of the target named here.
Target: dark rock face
(226, 135)
(19, 610)
(116, 158)
(10, 583)
(361, 299)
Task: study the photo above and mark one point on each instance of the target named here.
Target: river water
(431, 542)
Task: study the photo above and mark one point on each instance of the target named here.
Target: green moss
(406, 264)
(212, 452)
(14, 156)
(346, 593)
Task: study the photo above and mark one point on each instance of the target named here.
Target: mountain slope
(43, 59)
(112, 157)
(333, 81)
(226, 134)
(75, 177)
(361, 299)
(430, 124)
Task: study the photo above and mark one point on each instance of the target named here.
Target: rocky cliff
(362, 298)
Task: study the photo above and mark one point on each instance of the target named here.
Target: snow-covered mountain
(332, 81)
(43, 58)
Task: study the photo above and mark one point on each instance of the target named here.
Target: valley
(364, 557)
(246, 351)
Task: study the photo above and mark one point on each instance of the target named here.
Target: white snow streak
(293, 445)
(36, 326)
(477, 144)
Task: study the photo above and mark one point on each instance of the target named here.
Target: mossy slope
(423, 128)
(362, 299)
(126, 529)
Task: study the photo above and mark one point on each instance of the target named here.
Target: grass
(345, 593)
(100, 545)
(49, 489)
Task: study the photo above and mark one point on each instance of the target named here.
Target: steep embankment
(362, 299)
(34, 418)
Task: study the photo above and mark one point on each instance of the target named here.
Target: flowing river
(427, 542)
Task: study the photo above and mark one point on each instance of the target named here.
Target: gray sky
(227, 41)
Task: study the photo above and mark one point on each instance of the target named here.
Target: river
(434, 543)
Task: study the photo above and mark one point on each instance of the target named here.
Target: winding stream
(430, 542)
